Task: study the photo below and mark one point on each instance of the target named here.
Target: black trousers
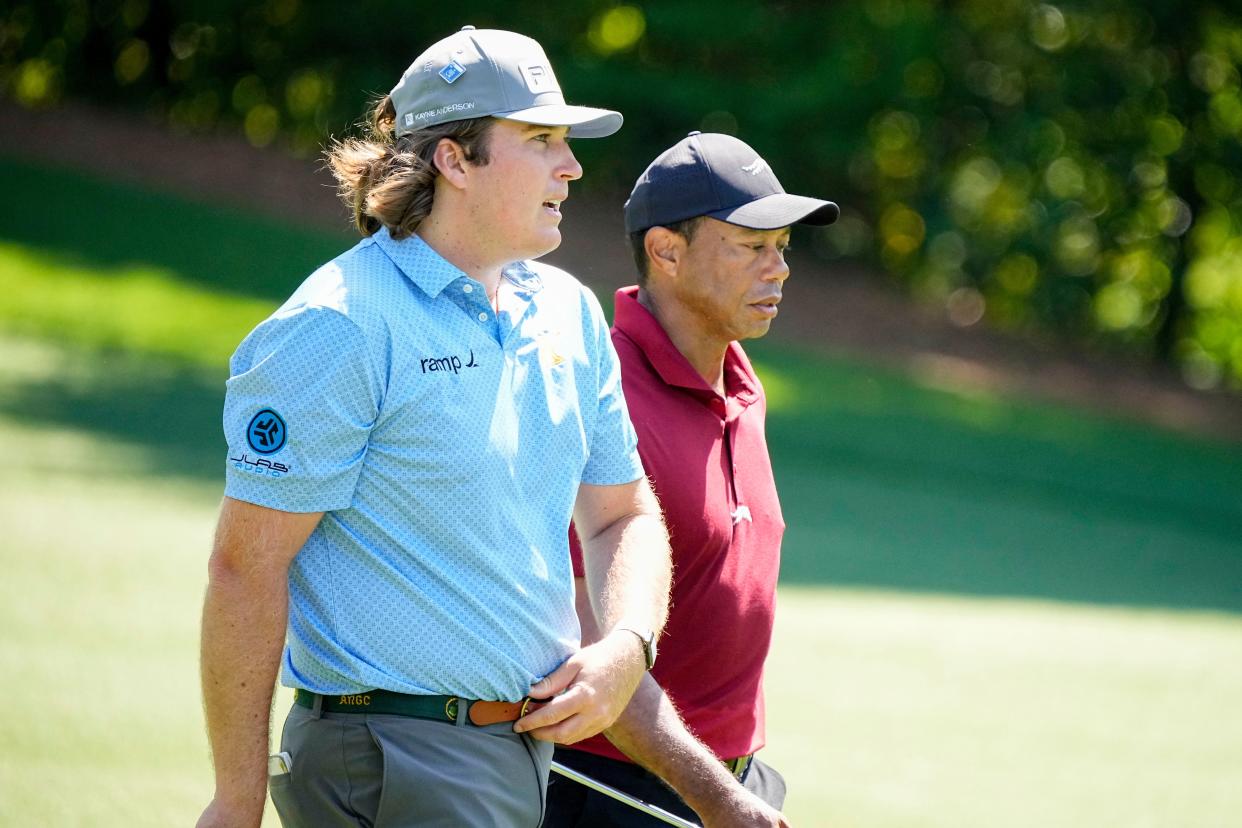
(571, 805)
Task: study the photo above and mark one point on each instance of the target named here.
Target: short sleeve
(613, 451)
(302, 398)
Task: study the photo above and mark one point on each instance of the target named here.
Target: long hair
(390, 182)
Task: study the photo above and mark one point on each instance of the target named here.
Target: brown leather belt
(436, 708)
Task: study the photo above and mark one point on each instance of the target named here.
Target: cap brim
(583, 121)
(780, 210)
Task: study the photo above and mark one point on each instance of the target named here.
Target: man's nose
(778, 268)
(569, 169)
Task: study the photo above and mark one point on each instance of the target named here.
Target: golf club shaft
(633, 802)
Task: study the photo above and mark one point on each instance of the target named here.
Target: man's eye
(543, 137)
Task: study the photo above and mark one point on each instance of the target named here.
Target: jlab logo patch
(266, 432)
(452, 71)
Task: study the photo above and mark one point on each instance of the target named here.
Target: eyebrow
(540, 128)
(751, 233)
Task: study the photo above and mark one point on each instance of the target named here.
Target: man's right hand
(589, 690)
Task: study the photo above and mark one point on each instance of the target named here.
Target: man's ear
(665, 250)
(450, 160)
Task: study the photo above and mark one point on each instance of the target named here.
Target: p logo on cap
(476, 73)
(538, 77)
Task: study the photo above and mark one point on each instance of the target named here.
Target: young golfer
(709, 224)
(408, 436)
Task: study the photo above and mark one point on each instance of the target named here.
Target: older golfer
(408, 436)
(709, 224)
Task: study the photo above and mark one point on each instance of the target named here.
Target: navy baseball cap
(709, 174)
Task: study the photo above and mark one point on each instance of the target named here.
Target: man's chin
(757, 330)
(549, 244)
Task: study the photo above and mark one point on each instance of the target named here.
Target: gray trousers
(368, 771)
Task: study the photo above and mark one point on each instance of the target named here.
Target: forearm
(625, 552)
(651, 733)
(628, 571)
(244, 617)
(243, 633)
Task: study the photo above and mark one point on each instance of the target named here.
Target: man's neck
(704, 354)
(461, 251)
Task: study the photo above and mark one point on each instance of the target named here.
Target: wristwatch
(647, 637)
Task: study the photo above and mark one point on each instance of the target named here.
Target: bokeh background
(1004, 388)
(1069, 168)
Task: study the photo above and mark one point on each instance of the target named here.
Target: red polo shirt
(708, 460)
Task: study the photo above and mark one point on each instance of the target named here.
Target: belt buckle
(450, 708)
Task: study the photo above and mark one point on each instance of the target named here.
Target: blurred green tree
(1069, 167)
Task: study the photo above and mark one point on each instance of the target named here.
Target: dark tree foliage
(1069, 168)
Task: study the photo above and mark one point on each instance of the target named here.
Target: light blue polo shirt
(446, 445)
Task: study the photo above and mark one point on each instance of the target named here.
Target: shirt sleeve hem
(282, 502)
(634, 472)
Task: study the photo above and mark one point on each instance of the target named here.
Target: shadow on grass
(167, 415)
(886, 484)
(869, 523)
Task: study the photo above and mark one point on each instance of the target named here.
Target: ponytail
(390, 182)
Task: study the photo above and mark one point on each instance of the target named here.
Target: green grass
(993, 612)
(102, 581)
(913, 710)
(134, 307)
(887, 709)
(112, 226)
(889, 482)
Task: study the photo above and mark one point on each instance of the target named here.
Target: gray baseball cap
(479, 72)
(709, 174)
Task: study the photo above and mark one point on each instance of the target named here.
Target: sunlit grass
(931, 711)
(137, 307)
(104, 573)
(102, 580)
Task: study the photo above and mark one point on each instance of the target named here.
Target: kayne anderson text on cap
(453, 107)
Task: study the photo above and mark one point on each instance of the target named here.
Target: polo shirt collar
(637, 323)
(432, 273)
(523, 277)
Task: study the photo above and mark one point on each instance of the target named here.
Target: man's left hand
(741, 809)
(590, 690)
